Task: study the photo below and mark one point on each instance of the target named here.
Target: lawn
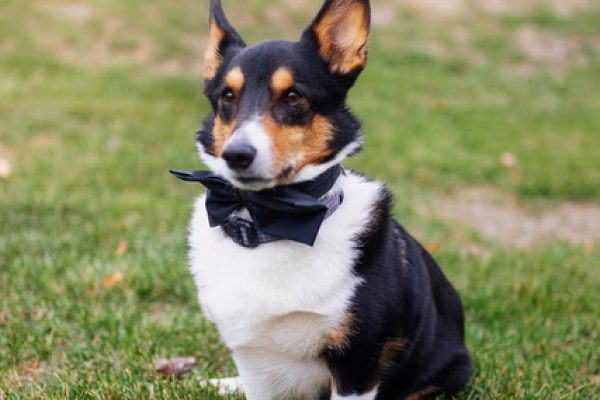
(99, 98)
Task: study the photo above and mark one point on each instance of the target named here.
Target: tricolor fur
(286, 99)
(363, 314)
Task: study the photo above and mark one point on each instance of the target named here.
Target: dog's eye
(227, 96)
(293, 98)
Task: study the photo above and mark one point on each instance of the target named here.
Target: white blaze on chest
(282, 296)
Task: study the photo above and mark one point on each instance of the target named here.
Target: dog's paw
(226, 385)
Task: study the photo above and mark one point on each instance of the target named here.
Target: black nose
(239, 155)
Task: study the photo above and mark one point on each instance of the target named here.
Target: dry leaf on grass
(439, 104)
(30, 368)
(177, 366)
(433, 247)
(6, 168)
(112, 280)
(121, 248)
(508, 160)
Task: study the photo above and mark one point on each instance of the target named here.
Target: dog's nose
(239, 156)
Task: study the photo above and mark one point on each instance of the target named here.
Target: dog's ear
(341, 32)
(222, 39)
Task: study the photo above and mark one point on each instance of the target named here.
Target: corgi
(313, 286)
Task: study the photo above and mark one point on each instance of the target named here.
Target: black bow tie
(289, 212)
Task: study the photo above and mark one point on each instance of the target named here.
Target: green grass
(91, 136)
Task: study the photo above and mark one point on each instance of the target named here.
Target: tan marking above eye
(282, 79)
(235, 79)
(212, 58)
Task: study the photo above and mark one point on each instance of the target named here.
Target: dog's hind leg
(225, 385)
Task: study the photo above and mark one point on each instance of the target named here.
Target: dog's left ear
(341, 32)
(222, 38)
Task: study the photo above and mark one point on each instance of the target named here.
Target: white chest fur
(273, 304)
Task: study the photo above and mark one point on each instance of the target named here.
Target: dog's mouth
(256, 182)
(251, 179)
(253, 183)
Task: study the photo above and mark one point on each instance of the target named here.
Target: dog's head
(279, 111)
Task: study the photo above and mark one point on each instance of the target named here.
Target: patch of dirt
(4, 150)
(7, 44)
(192, 63)
(383, 14)
(565, 8)
(109, 40)
(453, 8)
(435, 9)
(520, 7)
(500, 216)
(112, 41)
(45, 141)
(555, 52)
(545, 46)
(278, 16)
(77, 12)
(507, 7)
(301, 6)
(443, 9)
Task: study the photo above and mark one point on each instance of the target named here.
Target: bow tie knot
(291, 212)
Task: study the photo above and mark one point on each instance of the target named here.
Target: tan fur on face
(338, 337)
(235, 79)
(212, 58)
(282, 80)
(297, 146)
(221, 132)
(342, 33)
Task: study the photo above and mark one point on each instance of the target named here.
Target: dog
(314, 287)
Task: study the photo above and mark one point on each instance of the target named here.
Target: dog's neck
(326, 187)
(318, 187)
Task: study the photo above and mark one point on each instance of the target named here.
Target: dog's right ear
(222, 38)
(341, 33)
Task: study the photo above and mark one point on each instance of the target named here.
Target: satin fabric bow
(291, 212)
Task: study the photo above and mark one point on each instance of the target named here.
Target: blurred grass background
(475, 111)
